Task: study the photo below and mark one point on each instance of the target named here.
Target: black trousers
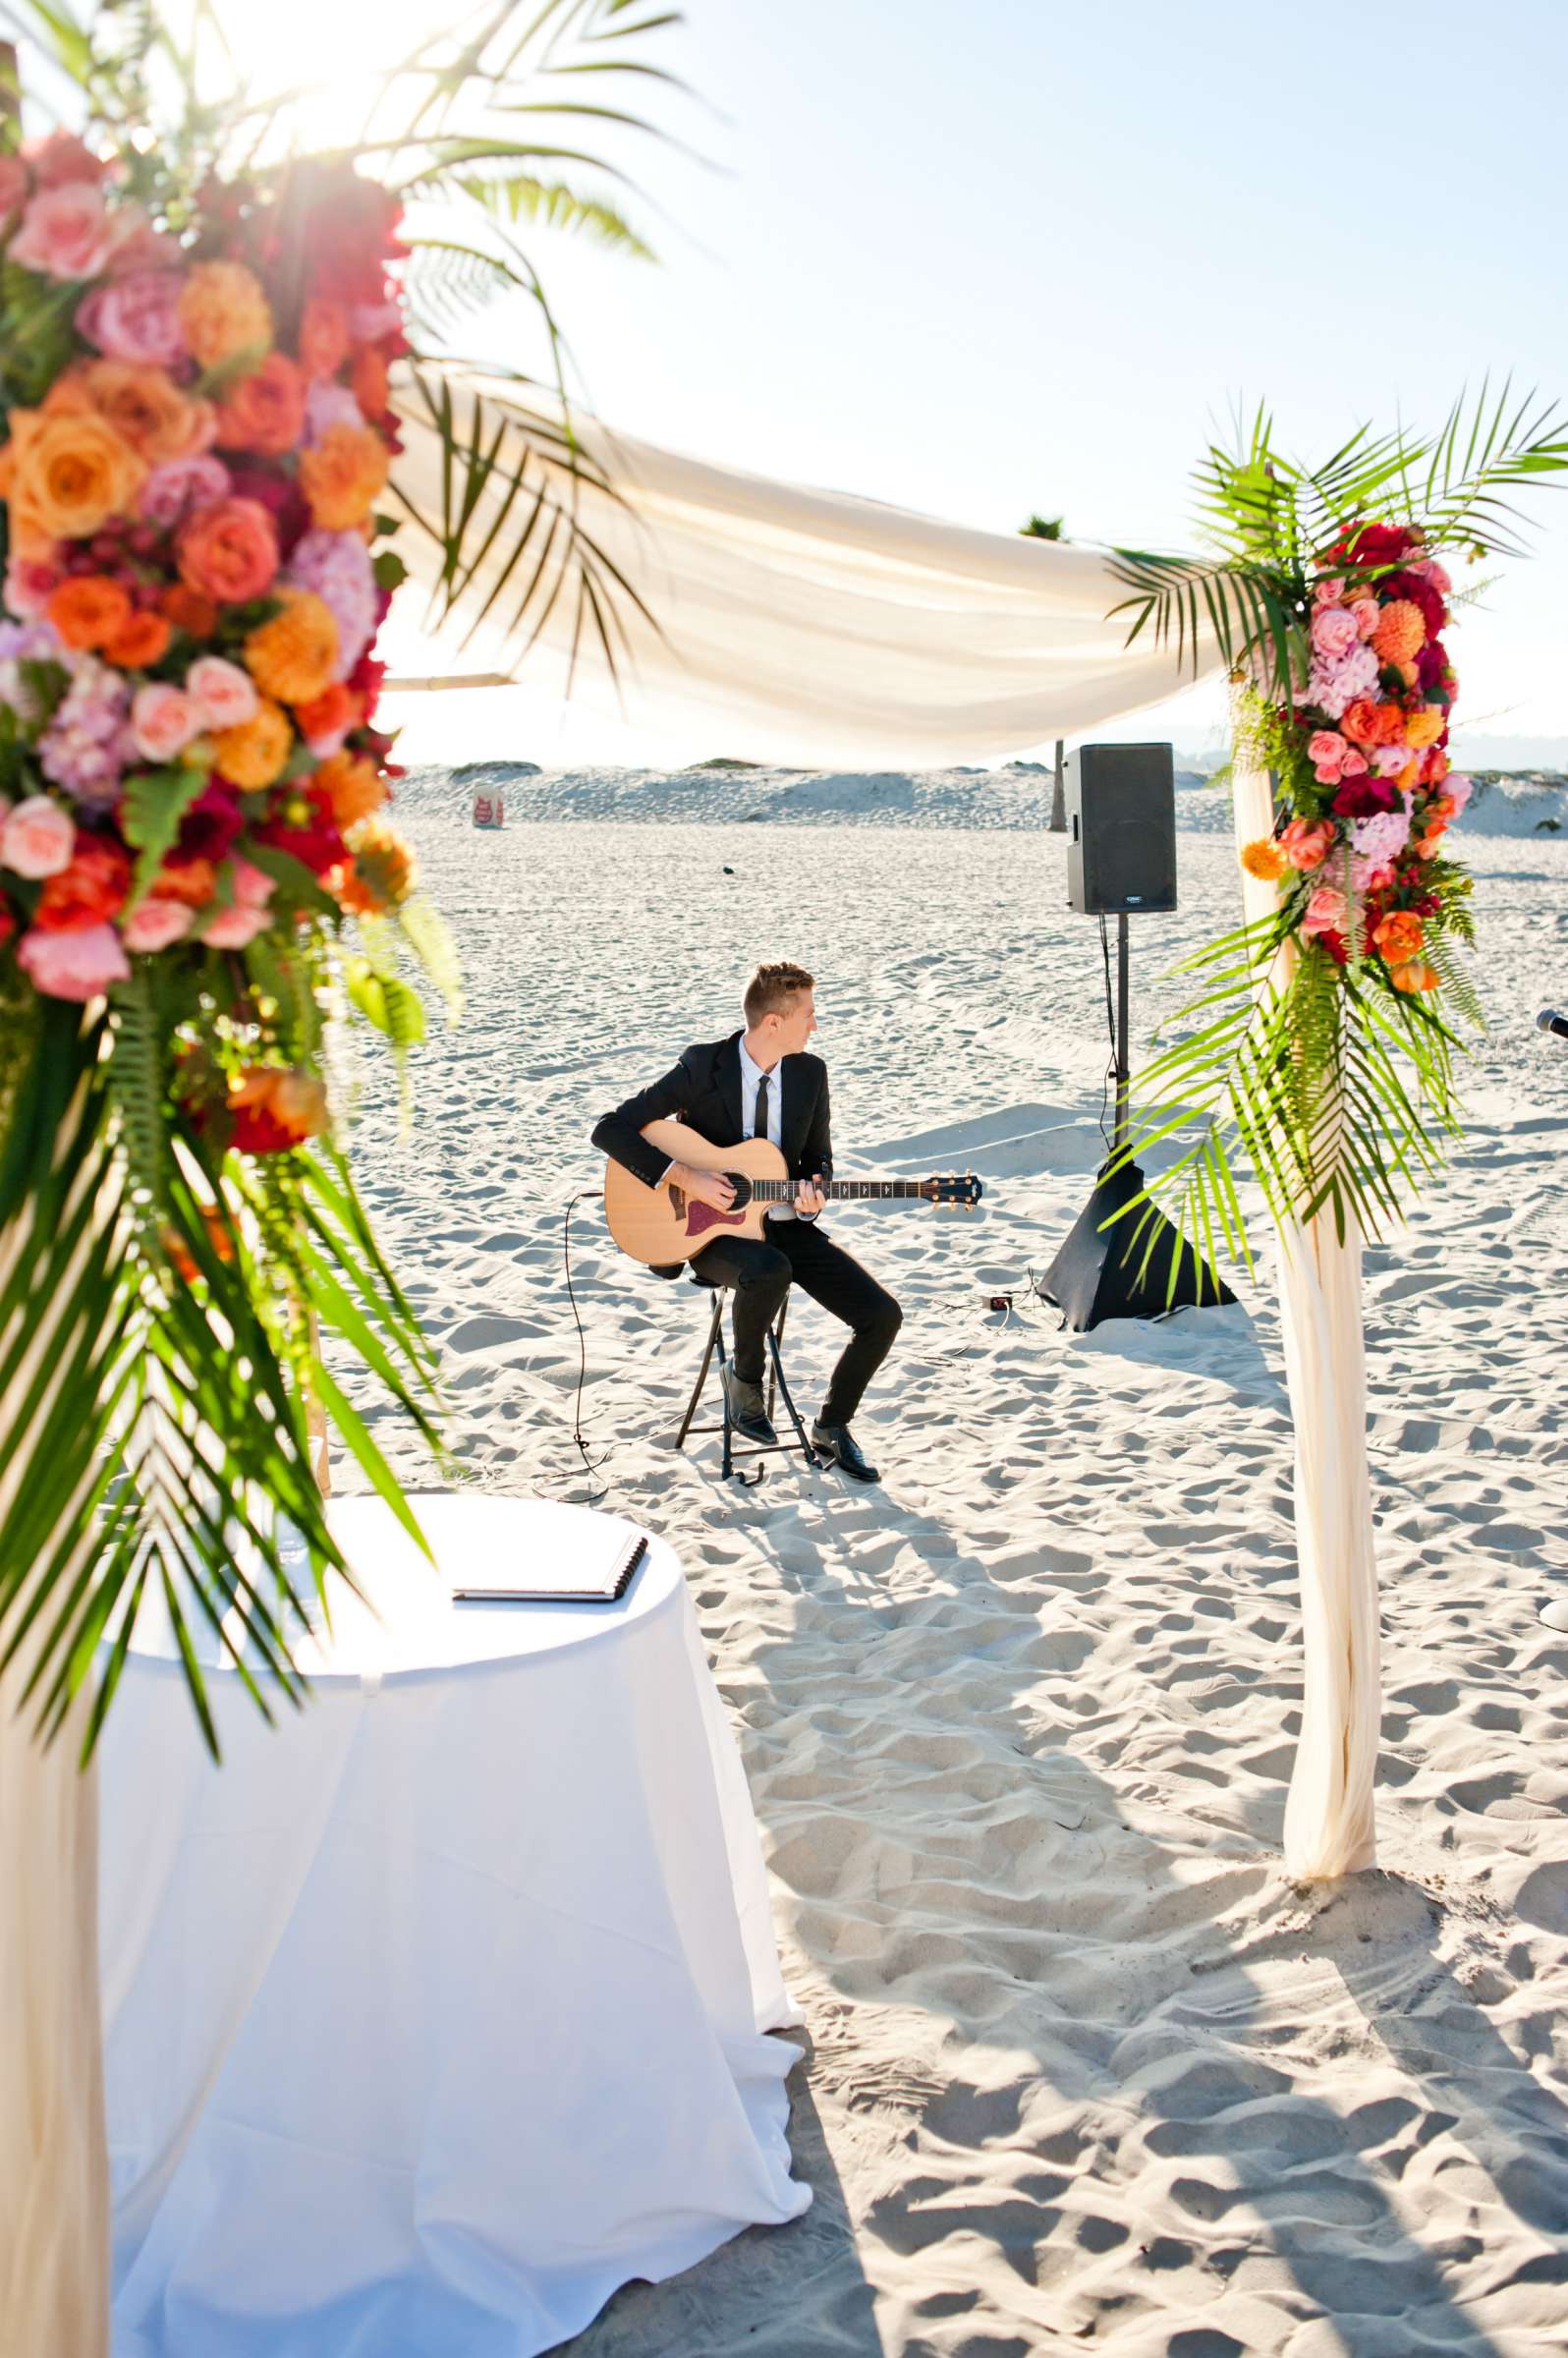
(798, 1252)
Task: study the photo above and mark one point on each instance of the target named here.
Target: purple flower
(173, 490)
(1383, 836)
(88, 744)
(337, 567)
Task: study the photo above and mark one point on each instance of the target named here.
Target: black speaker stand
(1111, 1267)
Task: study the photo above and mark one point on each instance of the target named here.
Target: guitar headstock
(954, 1186)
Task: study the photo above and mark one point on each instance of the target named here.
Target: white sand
(1085, 2071)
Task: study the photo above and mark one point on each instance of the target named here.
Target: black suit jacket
(705, 1090)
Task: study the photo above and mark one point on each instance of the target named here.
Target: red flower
(307, 832)
(1360, 798)
(209, 828)
(1376, 544)
(93, 888)
(1334, 944)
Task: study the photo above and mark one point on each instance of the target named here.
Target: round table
(439, 2011)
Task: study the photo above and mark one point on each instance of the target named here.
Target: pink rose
(1328, 591)
(1334, 632)
(156, 924)
(164, 721)
(173, 490)
(61, 157)
(252, 889)
(327, 404)
(1459, 790)
(1327, 751)
(13, 187)
(1366, 612)
(29, 584)
(77, 965)
(136, 318)
(1353, 764)
(1325, 910)
(37, 838)
(1390, 759)
(64, 233)
(232, 929)
(223, 696)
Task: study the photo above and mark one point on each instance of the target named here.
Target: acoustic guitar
(662, 1224)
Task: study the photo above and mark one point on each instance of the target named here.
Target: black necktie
(759, 1118)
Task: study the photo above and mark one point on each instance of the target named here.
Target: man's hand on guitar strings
(705, 1187)
(809, 1198)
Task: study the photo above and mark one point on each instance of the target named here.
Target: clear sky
(1023, 255)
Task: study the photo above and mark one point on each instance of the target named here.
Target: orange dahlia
(342, 476)
(293, 657)
(1401, 632)
(224, 312)
(351, 786)
(256, 753)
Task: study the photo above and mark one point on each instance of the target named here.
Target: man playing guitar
(761, 1083)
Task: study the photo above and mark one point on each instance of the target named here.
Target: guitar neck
(843, 1190)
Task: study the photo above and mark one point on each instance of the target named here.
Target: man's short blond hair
(772, 987)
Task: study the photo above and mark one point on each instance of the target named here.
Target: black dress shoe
(839, 1446)
(747, 1414)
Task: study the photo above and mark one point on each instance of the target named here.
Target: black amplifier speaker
(1121, 821)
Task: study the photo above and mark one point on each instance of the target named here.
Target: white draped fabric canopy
(805, 626)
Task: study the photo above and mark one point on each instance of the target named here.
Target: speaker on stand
(1121, 859)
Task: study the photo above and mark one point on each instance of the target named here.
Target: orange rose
(1264, 859)
(65, 476)
(89, 609)
(1424, 727)
(384, 872)
(275, 1108)
(323, 338)
(188, 610)
(1360, 721)
(264, 412)
(93, 888)
(256, 753)
(351, 786)
(1416, 976)
(343, 475)
(1436, 767)
(369, 378)
(143, 641)
(146, 409)
(224, 312)
(293, 657)
(1398, 935)
(228, 551)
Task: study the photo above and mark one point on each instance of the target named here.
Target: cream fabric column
(1329, 1826)
(54, 2172)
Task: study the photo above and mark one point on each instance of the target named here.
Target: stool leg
(778, 1330)
(807, 1451)
(724, 1396)
(702, 1377)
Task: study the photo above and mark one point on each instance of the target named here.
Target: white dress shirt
(751, 1077)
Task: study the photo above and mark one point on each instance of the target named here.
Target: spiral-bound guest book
(601, 1573)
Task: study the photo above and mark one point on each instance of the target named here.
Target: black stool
(776, 1382)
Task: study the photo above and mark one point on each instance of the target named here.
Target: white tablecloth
(437, 2013)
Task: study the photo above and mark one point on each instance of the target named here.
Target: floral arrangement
(188, 757)
(1319, 1056)
(1362, 753)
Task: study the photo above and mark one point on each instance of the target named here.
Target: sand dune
(1084, 2072)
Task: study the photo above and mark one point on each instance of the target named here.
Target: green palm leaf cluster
(1306, 1072)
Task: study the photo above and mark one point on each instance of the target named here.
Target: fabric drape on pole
(802, 627)
(1329, 1826)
